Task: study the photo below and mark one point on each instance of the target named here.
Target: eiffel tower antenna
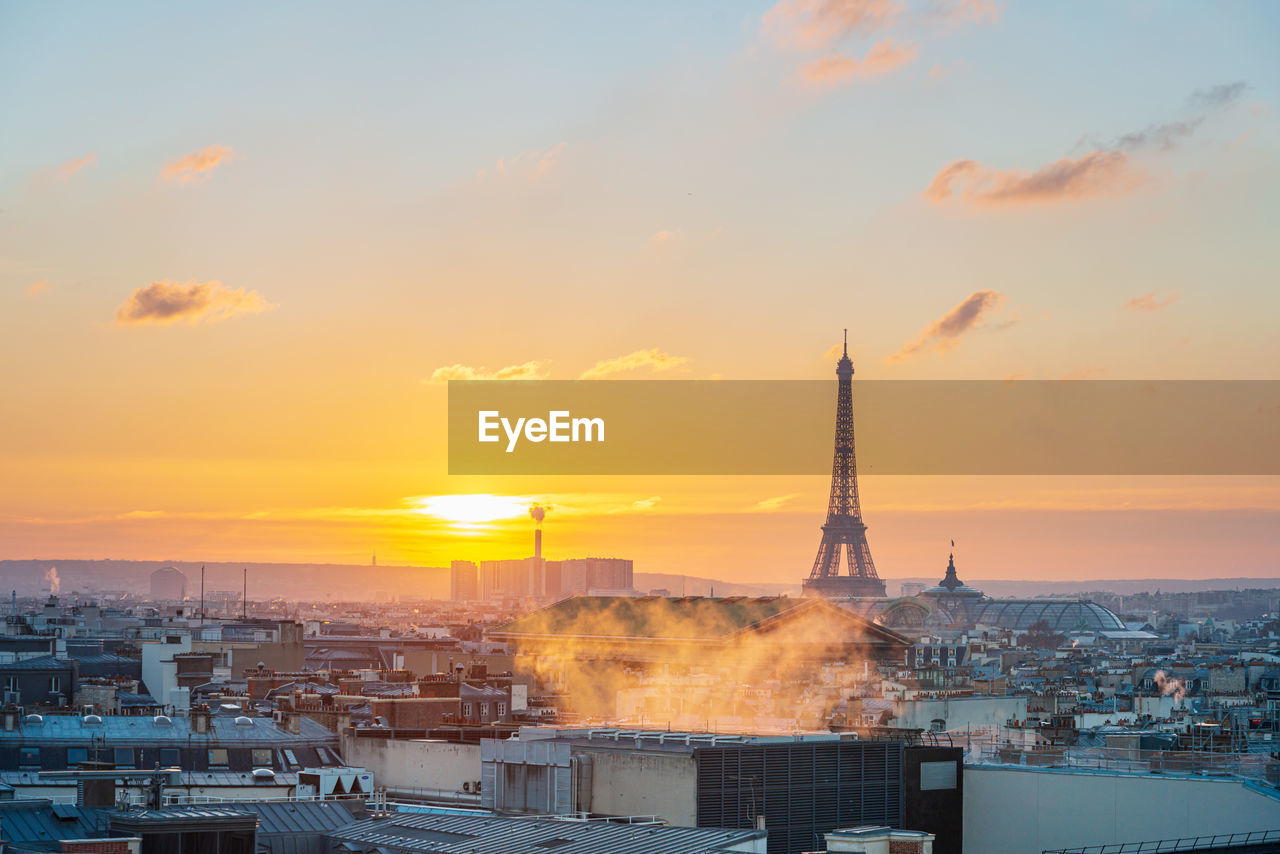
(844, 529)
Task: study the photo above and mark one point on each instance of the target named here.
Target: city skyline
(231, 294)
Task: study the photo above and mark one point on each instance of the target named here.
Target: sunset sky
(243, 247)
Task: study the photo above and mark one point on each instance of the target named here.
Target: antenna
(202, 594)
(244, 597)
(846, 342)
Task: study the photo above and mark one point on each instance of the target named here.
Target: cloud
(1164, 137)
(196, 167)
(944, 334)
(168, 302)
(531, 370)
(37, 288)
(1150, 302)
(769, 505)
(1216, 97)
(654, 358)
(661, 237)
(883, 57)
(71, 167)
(530, 164)
(1096, 173)
(818, 24)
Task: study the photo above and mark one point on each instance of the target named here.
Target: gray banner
(716, 427)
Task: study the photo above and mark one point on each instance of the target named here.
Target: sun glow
(473, 509)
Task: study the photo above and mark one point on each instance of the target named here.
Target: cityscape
(881, 454)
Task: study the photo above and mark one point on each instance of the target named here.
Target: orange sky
(230, 290)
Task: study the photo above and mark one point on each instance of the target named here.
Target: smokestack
(537, 543)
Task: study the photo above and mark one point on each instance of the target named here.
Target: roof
(1061, 614)
(140, 730)
(43, 662)
(38, 824)
(495, 835)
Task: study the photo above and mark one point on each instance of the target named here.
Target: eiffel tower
(844, 527)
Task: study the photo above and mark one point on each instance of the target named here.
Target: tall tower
(844, 527)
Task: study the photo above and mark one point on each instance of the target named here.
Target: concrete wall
(959, 712)
(1026, 811)
(631, 782)
(414, 764)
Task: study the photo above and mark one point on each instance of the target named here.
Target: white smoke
(55, 583)
(1170, 685)
(537, 512)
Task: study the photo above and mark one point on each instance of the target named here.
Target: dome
(951, 585)
(1061, 615)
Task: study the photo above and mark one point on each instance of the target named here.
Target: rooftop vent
(162, 720)
(92, 719)
(244, 721)
(33, 719)
(265, 774)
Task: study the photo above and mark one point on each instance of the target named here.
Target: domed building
(952, 604)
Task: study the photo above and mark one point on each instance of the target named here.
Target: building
(587, 575)
(219, 753)
(464, 581)
(39, 682)
(168, 585)
(797, 787)
(488, 834)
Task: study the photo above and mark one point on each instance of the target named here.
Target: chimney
(293, 723)
(200, 720)
(537, 543)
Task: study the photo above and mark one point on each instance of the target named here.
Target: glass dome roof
(1062, 615)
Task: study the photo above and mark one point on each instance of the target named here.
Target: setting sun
(473, 509)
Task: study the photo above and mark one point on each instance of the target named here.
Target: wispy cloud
(1092, 174)
(531, 370)
(1151, 302)
(1216, 97)
(944, 333)
(529, 164)
(1106, 170)
(818, 24)
(768, 505)
(653, 358)
(883, 57)
(71, 167)
(37, 288)
(166, 302)
(197, 166)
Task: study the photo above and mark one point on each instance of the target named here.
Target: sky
(244, 246)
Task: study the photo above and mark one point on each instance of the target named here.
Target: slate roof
(455, 834)
(144, 730)
(691, 617)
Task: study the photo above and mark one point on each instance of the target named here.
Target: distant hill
(357, 582)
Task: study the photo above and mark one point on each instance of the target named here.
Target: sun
(473, 509)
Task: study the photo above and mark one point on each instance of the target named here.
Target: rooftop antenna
(244, 597)
(202, 594)
(846, 342)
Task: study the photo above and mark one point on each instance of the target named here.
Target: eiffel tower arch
(844, 530)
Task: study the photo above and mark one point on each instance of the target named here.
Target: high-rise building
(464, 581)
(168, 585)
(586, 574)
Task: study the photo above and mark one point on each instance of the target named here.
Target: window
(169, 757)
(466, 710)
(262, 757)
(291, 757)
(11, 684)
(484, 710)
(28, 757)
(76, 755)
(502, 710)
(123, 757)
(55, 684)
(217, 757)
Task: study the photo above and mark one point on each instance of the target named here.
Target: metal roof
(143, 730)
(455, 834)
